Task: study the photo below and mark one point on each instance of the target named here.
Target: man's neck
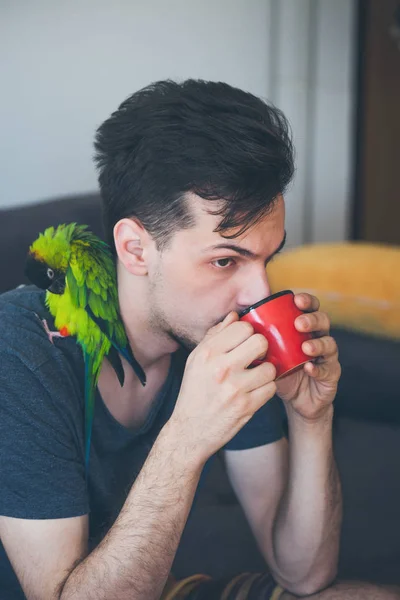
(131, 403)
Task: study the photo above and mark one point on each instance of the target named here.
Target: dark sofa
(217, 539)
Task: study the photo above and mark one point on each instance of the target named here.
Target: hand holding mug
(299, 345)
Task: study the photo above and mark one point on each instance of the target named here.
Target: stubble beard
(159, 321)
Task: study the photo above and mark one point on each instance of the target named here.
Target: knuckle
(316, 318)
(310, 300)
(232, 391)
(221, 372)
(313, 346)
(333, 344)
(273, 388)
(323, 347)
(314, 301)
(266, 395)
(268, 370)
(311, 319)
(246, 327)
(272, 370)
(204, 352)
(213, 330)
(261, 342)
(306, 297)
(328, 345)
(325, 317)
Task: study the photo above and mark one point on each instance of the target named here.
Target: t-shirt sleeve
(42, 473)
(265, 426)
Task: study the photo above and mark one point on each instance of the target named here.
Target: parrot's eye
(50, 273)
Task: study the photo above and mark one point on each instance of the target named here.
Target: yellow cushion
(357, 283)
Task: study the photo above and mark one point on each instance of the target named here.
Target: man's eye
(223, 263)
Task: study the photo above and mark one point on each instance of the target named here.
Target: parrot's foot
(51, 334)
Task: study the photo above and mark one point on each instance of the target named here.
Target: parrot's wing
(115, 350)
(92, 284)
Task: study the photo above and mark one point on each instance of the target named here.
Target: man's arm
(218, 396)
(291, 497)
(134, 558)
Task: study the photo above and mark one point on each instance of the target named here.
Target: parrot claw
(50, 334)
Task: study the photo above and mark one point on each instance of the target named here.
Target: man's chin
(188, 342)
(184, 341)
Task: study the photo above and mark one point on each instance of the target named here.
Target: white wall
(312, 80)
(65, 66)
(331, 172)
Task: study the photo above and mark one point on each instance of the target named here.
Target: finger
(260, 376)
(324, 346)
(306, 302)
(315, 322)
(249, 350)
(326, 370)
(229, 336)
(228, 320)
(261, 395)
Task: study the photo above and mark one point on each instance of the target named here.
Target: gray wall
(66, 65)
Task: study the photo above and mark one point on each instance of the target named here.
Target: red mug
(274, 318)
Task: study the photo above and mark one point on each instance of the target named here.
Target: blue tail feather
(90, 391)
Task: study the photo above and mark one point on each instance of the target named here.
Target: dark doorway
(376, 215)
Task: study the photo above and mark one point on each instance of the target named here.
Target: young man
(192, 178)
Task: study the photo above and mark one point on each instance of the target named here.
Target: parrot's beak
(58, 286)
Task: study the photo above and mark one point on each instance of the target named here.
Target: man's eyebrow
(244, 251)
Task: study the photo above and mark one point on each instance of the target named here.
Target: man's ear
(133, 245)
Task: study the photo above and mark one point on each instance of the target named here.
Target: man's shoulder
(21, 303)
(22, 330)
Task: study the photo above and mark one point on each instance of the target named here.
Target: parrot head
(48, 258)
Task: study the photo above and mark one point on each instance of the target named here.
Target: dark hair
(197, 136)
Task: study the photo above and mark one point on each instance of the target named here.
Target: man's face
(202, 276)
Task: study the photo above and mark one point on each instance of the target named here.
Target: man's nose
(255, 289)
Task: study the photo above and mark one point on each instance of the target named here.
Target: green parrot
(78, 271)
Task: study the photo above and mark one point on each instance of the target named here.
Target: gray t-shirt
(42, 466)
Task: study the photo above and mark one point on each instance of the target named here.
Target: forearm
(307, 528)
(134, 559)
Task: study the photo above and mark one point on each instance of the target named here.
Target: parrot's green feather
(88, 308)
(54, 245)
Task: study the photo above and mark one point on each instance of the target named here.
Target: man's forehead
(263, 237)
(206, 223)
